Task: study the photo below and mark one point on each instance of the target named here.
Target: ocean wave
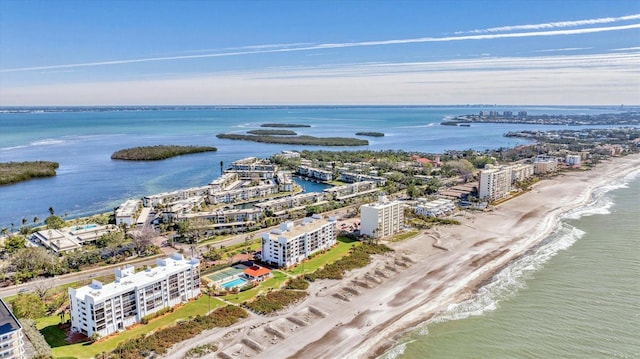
(506, 283)
(396, 351)
(512, 278)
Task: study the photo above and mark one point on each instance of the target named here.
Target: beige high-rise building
(292, 244)
(495, 183)
(381, 219)
(544, 164)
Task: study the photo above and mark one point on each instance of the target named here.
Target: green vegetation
(370, 134)
(12, 172)
(320, 259)
(298, 283)
(28, 305)
(275, 300)
(161, 340)
(291, 125)
(160, 152)
(56, 337)
(297, 140)
(201, 350)
(43, 350)
(359, 257)
(402, 236)
(272, 132)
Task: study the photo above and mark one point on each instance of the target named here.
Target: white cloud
(337, 45)
(553, 25)
(579, 79)
(564, 49)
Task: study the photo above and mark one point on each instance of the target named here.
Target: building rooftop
(256, 271)
(127, 279)
(8, 322)
(290, 230)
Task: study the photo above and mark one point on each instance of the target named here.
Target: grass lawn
(320, 260)
(48, 327)
(274, 282)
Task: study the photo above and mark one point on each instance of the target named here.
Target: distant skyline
(319, 52)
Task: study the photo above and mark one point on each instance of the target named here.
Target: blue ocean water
(575, 296)
(89, 182)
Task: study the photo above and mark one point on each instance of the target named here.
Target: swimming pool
(85, 227)
(238, 282)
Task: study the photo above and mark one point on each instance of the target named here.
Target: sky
(322, 52)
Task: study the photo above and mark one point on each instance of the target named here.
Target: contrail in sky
(487, 36)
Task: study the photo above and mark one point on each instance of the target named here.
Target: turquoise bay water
(576, 296)
(89, 182)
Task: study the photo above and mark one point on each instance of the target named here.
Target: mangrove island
(272, 132)
(370, 134)
(12, 172)
(297, 140)
(291, 125)
(160, 152)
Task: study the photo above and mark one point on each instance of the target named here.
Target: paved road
(106, 270)
(74, 277)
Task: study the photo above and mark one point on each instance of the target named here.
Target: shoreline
(400, 292)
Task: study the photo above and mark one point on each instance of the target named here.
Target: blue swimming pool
(85, 227)
(238, 282)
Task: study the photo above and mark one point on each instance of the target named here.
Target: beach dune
(365, 314)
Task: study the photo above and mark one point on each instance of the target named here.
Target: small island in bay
(272, 132)
(160, 152)
(12, 172)
(285, 125)
(297, 140)
(370, 134)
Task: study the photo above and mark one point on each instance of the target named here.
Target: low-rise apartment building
(351, 190)
(70, 238)
(435, 208)
(126, 212)
(314, 173)
(253, 168)
(292, 244)
(107, 308)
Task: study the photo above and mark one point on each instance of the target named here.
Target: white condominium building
(495, 183)
(291, 244)
(381, 219)
(107, 308)
(435, 208)
(126, 213)
(573, 160)
(11, 339)
(521, 172)
(544, 164)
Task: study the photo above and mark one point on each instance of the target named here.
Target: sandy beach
(364, 314)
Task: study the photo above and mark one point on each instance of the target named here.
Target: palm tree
(221, 166)
(35, 219)
(51, 211)
(24, 220)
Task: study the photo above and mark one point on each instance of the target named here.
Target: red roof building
(257, 273)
